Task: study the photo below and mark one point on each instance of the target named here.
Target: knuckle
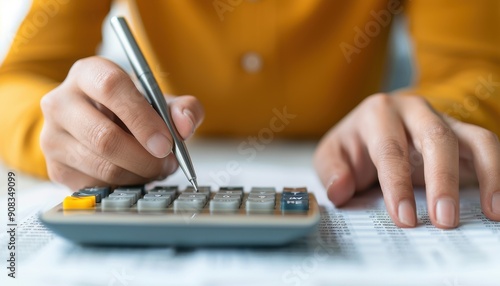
(450, 178)
(402, 185)
(440, 132)
(83, 63)
(391, 149)
(108, 171)
(48, 104)
(379, 100)
(78, 65)
(418, 100)
(108, 80)
(134, 122)
(486, 135)
(144, 125)
(103, 138)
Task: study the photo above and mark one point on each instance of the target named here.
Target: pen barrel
(129, 44)
(153, 92)
(160, 105)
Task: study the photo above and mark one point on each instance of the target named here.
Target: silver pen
(153, 94)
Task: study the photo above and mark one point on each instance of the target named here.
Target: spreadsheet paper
(354, 245)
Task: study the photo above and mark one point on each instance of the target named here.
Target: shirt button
(251, 62)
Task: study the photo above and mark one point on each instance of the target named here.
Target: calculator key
(78, 203)
(132, 196)
(231, 192)
(103, 191)
(172, 190)
(138, 192)
(165, 197)
(203, 197)
(219, 204)
(231, 188)
(295, 202)
(113, 203)
(302, 195)
(260, 204)
(263, 190)
(183, 204)
(80, 194)
(237, 189)
(201, 189)
(139, 188)
(294, 190)
(204, 192)
(261, 196)
(151, 204)
(223, 196)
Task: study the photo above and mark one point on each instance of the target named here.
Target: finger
(485, 150)
(70, 177)
(107, 84)
(332, 165)
(187, 113)
(69, 152)
(438, 144)
(105, 139)
(387, 145)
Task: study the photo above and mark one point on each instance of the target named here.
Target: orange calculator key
(78, 203)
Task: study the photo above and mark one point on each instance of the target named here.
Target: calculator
(165, 215)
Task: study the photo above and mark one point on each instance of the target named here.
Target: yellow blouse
(248, 62)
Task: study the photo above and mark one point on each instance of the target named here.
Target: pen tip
(195, 184)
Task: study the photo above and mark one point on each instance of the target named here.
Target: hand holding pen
(100, 130)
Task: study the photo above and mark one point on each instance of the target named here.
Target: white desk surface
(356, 245)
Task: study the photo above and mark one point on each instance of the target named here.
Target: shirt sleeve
(457, 57)
(52, 36)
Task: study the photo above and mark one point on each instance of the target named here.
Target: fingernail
(158, 145)
(445, 212)
(406, 213)
(331, 181)
(189, 115)
(495, 203)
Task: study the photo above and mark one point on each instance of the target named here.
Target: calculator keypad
(164, 198)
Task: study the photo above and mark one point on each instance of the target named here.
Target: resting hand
(401, 142)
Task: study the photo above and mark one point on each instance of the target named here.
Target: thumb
(187, 114)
